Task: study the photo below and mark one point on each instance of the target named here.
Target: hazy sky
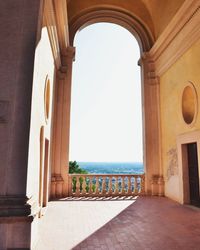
(106, 117)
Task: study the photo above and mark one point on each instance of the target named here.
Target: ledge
(180, 34)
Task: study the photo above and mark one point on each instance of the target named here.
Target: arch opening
(111, 92)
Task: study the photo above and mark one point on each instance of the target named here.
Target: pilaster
(151, 121)
(62, 125)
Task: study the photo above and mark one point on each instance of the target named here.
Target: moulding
(50, 22)
(189, 137)
(180, 34)
(17, 205)
(157, 185)
(46, 94)
(57, 178)
(182, 140)
(68, 56)
(56, 21)
(62, 23)
(148, 65)
(16, 219)
(112, 14)
(193, 88)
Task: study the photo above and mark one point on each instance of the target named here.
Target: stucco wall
(44, 68)
(172, 83)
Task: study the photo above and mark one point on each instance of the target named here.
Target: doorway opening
(193, 174)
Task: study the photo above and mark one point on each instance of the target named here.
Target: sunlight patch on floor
(67, 223)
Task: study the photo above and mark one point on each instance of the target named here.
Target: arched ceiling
(154, 14)
(134, 7)
(162, 11)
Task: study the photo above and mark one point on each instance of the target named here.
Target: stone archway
(150, 96)
(113, 15)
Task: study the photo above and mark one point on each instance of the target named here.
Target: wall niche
(189, 104)
(47, 98)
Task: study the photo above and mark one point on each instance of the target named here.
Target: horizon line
(108, 161)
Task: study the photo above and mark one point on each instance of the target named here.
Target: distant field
(113, 167)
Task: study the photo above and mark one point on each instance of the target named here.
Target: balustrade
(106, 184)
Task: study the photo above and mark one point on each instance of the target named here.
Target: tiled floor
(147, 223)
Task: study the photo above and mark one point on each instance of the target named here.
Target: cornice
(180, 34)
(50, 22)
(148, 68)
(62, 23)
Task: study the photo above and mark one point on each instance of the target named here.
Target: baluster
(94, 184)
(123, 186)
(73, 185)
(110, 186)
(129, 185)
(100, 185)
(107, 184)
(90, 185)
(77, 186)
(84, 186)
(142, 184)
(97, 186)
(113, 184)
(103, 186)
(120, 184)
(116, 186)
(135, 185)
(70, 185)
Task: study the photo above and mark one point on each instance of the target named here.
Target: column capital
(62, 73)
(57, 178)
(68, 56)
(67, 59)
(147, 64)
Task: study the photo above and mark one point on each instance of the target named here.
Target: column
(62, 126)
(151, 122)
(20, 24)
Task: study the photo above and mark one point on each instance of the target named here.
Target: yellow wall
(156, 7)
(172, 83)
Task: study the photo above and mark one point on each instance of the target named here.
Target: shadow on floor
(67, 222)
(110, 198)
(151, 223)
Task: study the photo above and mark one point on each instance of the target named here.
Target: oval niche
(189, 104)
(47, 99)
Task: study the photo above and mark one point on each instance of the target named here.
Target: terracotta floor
(147, 223)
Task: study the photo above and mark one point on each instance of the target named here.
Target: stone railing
(106, 184)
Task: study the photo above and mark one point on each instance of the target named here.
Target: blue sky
(106, 116)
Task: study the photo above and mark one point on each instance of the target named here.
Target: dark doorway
(193, 174)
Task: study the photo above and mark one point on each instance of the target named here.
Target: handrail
(106, 184)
